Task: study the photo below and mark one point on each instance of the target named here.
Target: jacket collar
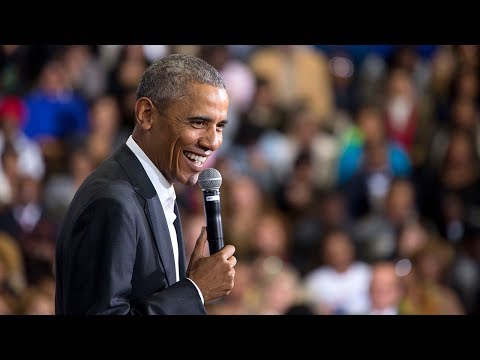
(153, 208)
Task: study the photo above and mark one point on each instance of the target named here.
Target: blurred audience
(367, 168)
(350, 172)
(299, 74)
(376, 233)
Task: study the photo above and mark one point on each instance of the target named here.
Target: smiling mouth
(195, 159)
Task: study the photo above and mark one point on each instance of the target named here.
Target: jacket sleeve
(105, 242)
(179, 299)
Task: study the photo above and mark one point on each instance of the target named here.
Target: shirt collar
(166, 190)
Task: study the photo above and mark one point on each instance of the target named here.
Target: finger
(200, 244)
(232, 261)
(227, 251)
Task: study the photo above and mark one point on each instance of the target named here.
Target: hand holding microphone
(214, 274)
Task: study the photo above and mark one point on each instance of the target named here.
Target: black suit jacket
(114, 253)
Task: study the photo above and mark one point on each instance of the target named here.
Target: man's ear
(144, 113)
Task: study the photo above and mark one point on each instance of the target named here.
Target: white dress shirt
(167, 196)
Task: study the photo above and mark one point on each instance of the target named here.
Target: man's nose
(212, 139)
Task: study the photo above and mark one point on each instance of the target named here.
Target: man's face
(187, 132)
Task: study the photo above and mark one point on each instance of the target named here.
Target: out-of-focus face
(29, 190)
(371, 124)
(245, 193)
(464, 113)
(270, 236)
(53, 77)
(333, 209)
(339, 251)
(412, 239)
(400, 84)
(179, 139)
(385, 288)
(468, 84)
(459, 152)
(9, 126)
(400, 202)
(280, 293)
(105, 115)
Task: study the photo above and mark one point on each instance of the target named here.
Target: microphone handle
(214, 220)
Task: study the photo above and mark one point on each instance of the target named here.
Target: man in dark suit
(120, 249)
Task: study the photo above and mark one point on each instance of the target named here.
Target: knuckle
(229, 250)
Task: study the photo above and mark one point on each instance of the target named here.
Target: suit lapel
(158, 224)
(181, 247)
(153, 208)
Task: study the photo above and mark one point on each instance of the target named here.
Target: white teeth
(196, 158)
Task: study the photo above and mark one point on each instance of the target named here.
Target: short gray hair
(166, 80)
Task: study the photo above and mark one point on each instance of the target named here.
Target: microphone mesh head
(210, 179)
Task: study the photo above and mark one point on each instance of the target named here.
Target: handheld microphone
(210, 181)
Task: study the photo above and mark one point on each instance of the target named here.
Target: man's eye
(198, 123)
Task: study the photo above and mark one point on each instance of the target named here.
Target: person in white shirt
(340, 285)
(120, 249)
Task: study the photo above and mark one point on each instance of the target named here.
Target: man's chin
(192, 180)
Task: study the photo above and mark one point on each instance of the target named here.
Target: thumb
(199, 245)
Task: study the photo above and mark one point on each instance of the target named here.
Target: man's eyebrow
(200, 117)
